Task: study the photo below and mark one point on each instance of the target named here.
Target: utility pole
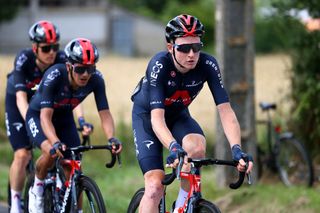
(235, 54)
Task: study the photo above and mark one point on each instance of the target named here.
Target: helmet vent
(50, 34)
(88, 54)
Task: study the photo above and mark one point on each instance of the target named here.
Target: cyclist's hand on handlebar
(56, 149)
(175, 150)
(86, 128)
(245, 160)
(116, 145)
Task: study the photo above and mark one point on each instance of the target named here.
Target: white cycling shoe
(35, 202)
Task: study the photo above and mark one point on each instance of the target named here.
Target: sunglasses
(48, 48)
(185, 48)
(82, 69)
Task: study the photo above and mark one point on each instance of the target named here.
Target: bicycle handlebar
(169, 178)
(79, 149)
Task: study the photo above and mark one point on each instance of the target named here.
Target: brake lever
(119, 160)
(249, 178)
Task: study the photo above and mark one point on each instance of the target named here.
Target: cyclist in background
(160, 115)
(29, 67)
(49, 119)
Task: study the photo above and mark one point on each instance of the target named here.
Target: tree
(235, 50)
(9, 9)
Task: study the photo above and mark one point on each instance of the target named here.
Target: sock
(181, 198)
(38, 186)
(80, 211)
(15, 201)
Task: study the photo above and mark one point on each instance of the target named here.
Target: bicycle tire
(204, 206)
(135, 201)
(48, 206)
(92, 200)
(293, 162)
(29, 183)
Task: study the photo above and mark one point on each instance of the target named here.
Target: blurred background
(127, 33)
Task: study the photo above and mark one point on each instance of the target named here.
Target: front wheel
(204, 206)
(293, 162)
(89, 196)
(135, 201)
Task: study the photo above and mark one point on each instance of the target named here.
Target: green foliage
(305, 54)
(9, 9)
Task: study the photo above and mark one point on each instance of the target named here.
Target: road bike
(62, 194)
(284, 153)
(194, 203)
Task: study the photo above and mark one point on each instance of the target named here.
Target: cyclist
(29, 66)
(49, 119)
(160, 115)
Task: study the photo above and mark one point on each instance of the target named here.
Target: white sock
(80, 211)
(15, 201)
(181, 198)
(38, 186)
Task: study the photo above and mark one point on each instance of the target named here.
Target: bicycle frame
(74, 165)
(194, 180)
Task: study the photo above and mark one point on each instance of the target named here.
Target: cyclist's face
(187, 51)
(81, 73)
(46, 52)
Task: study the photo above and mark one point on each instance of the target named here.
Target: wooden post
(235, 54)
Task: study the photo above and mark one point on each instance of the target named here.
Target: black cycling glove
(238, 154)
(83, 123)
(175, 149)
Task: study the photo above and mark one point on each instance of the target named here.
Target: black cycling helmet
(81, 51)
(44, 32)
(183, 25)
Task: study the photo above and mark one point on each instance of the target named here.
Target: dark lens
(46, 49)
(55, 47)
(185, 48)
(81, 70)
(196, 47)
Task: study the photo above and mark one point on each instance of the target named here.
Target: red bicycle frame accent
(195, 186)
(75, 165)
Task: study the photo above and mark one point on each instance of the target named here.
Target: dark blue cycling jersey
(164, 87)
(56, 92)
(26, 75)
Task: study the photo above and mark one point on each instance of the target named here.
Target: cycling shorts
(149, 150)
(65, 128)
(15, 125)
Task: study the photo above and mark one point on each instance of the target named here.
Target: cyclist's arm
(22, 103)
(86, 129)
(107, 123)
(229, 123)
(160, 128)
(47, 125)
(78, 111)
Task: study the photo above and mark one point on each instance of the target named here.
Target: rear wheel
(135, 201)
(89, 196)
(204, 206)
(294, 164)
